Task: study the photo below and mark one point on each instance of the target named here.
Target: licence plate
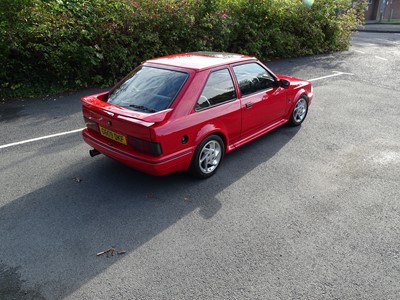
(113, 135)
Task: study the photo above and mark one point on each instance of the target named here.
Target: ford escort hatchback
(184, 112)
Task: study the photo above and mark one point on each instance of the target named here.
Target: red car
(184, 112)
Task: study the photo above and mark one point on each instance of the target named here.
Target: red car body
(165, 141)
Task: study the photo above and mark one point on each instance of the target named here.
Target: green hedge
(49, 46)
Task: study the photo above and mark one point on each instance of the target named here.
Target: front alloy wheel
(207, 157)
(299, 112)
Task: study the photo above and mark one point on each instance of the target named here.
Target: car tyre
(299, 112)
(207, 157)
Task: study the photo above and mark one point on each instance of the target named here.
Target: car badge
(109, 123)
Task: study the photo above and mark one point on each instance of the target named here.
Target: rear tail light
(90, 124)
(145, 146)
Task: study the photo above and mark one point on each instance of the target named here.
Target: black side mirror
(284, 83)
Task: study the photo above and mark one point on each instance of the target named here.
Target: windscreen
(148, 89)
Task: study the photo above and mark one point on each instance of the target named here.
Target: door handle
(249, 104)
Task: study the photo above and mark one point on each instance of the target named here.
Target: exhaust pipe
(93, 152)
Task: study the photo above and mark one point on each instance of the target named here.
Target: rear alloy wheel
(207, 157)
(299, 112)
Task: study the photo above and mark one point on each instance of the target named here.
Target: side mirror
(284, 83)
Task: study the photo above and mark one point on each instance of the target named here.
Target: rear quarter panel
(223, 119)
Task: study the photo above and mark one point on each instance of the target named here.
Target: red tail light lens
(90, 124)
(145, 146)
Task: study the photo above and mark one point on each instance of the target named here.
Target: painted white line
(332, 75)
(362, 52)
(389, 41)
(378, 57)
(40, 138)
(361, 44)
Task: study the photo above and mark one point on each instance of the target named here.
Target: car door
(218, 106)
(262, 101)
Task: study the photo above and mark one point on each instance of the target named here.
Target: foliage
(49, 46)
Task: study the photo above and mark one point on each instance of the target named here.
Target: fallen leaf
(77, 179)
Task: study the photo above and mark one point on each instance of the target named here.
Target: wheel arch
(210, 129)
(299, 94)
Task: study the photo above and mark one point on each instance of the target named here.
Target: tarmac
(379, 27)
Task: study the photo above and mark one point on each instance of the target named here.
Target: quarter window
(218, 89)
(253, 78)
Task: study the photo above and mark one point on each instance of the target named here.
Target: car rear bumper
(151, 165)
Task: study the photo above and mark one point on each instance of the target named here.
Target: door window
(218, 89)
(253, 78)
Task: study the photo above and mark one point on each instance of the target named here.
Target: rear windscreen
(148, 89)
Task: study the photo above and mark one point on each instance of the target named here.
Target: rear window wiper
(143, 108)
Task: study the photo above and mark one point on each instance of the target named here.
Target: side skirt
(255, 135)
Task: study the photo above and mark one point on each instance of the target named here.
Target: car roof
(200, 60)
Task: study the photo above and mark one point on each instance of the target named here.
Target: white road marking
(332, 75)
(389, 41)
(378, 57)
(363, 44)
(362, 52)
(77, 130)
(40, 138)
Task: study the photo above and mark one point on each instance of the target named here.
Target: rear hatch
(128, 111)
(114, 123)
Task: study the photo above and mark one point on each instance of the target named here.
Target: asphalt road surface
(301, 213)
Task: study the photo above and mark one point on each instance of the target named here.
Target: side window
(253, 78)
(218, 89)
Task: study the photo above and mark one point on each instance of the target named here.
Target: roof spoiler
(96, 102)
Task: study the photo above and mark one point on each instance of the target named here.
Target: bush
(56, 45)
